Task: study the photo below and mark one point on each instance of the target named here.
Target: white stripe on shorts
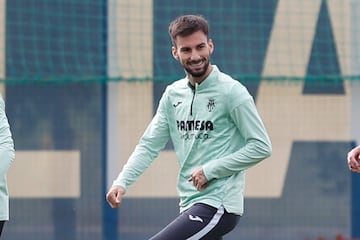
(209, 226)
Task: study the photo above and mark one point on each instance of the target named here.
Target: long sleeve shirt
(214, 125)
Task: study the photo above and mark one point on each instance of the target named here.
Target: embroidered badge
(211, 104)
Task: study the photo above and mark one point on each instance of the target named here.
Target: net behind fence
(66, 40)
(81, 80)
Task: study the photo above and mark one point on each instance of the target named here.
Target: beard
(198, 73)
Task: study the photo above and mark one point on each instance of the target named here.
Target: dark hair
(186, 25)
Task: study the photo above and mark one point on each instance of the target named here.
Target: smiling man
(217, 134)
(193, 52)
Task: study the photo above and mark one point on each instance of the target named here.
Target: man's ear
(174, 53)
(211, 45)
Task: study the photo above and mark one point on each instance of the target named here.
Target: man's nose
(195, 55)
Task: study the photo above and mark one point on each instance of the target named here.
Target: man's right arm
(151, 143)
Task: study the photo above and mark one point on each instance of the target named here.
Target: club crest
(211, 104)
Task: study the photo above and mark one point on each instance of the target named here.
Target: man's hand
(114, 196)
(198, 178)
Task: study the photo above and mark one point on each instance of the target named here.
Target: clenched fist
(114, 196)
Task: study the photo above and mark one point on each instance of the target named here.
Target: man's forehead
(192, 40)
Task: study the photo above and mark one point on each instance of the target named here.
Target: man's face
(193, 52)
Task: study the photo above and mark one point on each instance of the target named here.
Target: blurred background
(81, 80)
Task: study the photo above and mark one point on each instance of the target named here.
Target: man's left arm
(257, 144)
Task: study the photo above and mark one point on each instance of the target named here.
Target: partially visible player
(217, 134)
(7, 155)
(353, 158)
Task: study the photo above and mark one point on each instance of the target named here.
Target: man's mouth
(196, 64)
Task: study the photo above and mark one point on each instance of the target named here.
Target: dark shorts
(201, 221)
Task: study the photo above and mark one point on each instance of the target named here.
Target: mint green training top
(214, 125)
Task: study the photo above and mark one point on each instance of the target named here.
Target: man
(216, 132)
(7, 155)
(353, 158)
